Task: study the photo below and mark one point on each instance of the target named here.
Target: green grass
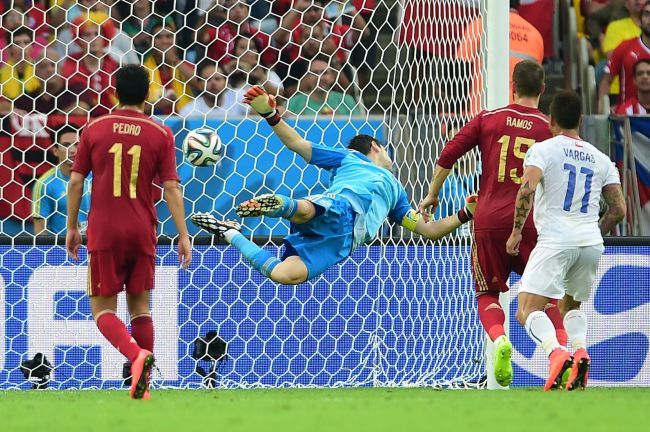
(332, 410)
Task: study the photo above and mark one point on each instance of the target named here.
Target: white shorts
(553, 272)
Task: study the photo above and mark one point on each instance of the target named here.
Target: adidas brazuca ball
(202, 147)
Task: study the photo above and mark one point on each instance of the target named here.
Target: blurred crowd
(59, 55)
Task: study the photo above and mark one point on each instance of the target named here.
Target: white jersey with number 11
(567, 200)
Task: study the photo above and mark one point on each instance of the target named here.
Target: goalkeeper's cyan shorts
(326, 239)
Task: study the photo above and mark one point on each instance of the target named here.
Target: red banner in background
(540, 13)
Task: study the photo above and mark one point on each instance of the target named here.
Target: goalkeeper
(327, 228)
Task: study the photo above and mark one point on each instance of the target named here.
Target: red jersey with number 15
(503, 136)
(125, 151)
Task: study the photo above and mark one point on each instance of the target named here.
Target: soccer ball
(202, 147)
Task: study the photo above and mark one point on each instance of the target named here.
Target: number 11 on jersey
(134, 152)
(571, 187)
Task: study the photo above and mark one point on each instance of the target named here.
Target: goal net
(399, 312)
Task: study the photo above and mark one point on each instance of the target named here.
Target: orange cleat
(140, 370)
(560, 361)
(579, 370)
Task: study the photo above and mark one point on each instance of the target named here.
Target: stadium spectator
(218, 39)
(617, 32)
(17, 74)
(119, 44)
(50, 204)
(92, 67)
(139, 25)
(54, 95)
(30, 14)
(639, 104)
(210, 102)
(172, 78)
(526, 43)
(247, 52)
(316, 95)
(622, 61)
(597, 16)
(305, 33)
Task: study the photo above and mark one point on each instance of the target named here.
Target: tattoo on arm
(523, 205)
(613, 196)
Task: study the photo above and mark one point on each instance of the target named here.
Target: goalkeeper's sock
(555, 316)
(491, 315)
(287, 209)
(540, 328)
(142, 331)
(263, 261)
(575, 323)
(116, 333)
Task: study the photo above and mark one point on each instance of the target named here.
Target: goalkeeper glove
(263, 103)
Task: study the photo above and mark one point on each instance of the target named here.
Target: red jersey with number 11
(125, 151)
(503, 136)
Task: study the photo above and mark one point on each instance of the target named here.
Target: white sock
(540, 328)
(230, 234)
(575, 323)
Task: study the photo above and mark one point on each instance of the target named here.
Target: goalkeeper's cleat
(259, 206)
(140, 369)
(560, 361)
(503, 362)
(565, 378)
(579, 370)
(470, 204)
(213, 225)
(146, 395)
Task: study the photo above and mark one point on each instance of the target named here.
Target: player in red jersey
(125, 151)
(502, 136)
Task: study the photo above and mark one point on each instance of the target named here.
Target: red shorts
(110, 271)
(491, 265)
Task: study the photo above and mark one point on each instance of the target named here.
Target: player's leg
(580, 279)
(275, 205)
(105, 281)
(528, 242)
(262, 260)
(491, 269)
(140, 279)
(542, 281)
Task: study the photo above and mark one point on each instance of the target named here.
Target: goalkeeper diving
(326, 228)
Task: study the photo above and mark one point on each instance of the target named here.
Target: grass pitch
(332, 410)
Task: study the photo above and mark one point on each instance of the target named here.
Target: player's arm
(265, 105)
(465, 140)
(436, 229)
(75, 191)
(523, 203)
(616, 210)
(174, 199)
(39, 226)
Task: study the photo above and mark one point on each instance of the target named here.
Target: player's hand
(429, 202)
(184, 252)
(72, 243)
(262, 102)
(512, 245)
(470, 204)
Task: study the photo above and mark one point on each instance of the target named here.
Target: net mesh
(398, 312)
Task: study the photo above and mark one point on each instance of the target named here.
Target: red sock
(116, 333)
(491, 315)
(555, 316)
(142, 331)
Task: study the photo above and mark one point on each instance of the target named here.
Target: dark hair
(207, 62)
(362, 143)
(528, 78)
(63, 129)
(566, 109)
(638, 62)
(256, 42)
(160, 24)
(19, 31)
(514, 4)
(132, 84)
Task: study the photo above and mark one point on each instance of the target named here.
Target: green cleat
(502, 361)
